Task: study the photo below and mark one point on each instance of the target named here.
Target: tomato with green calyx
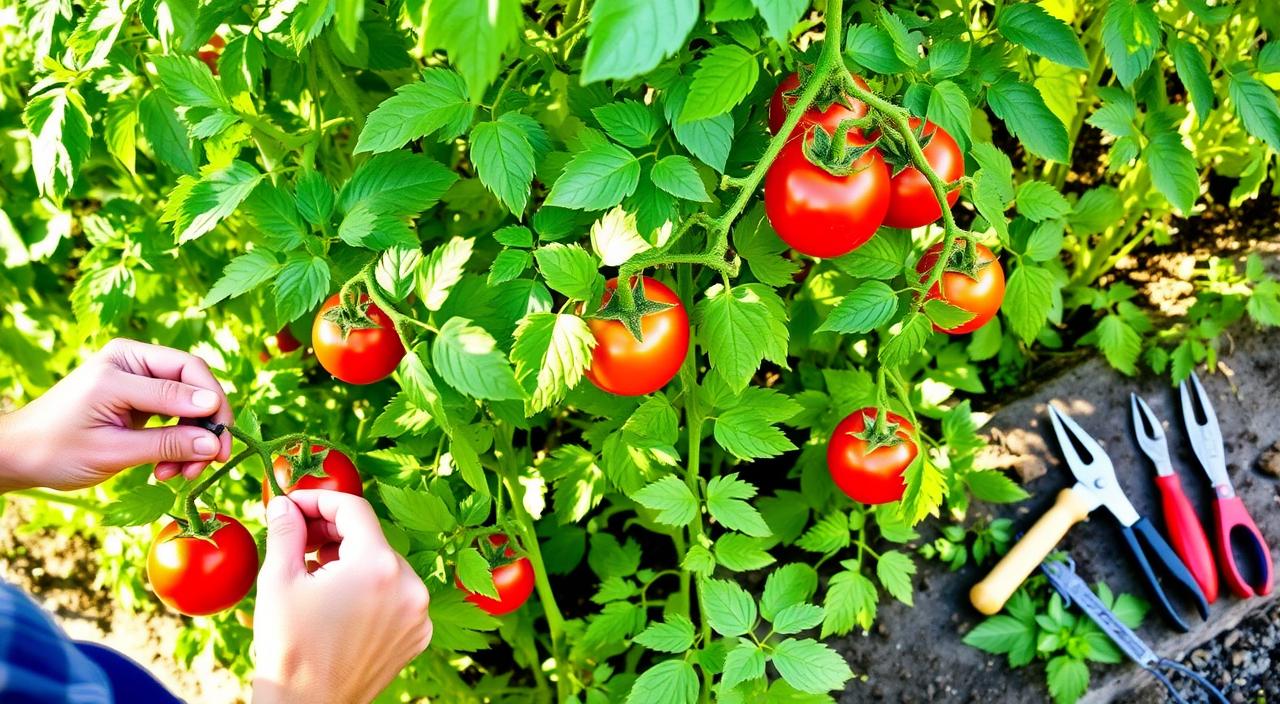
(513, 577)
(912, 202)
(830, 118)
(210, 52)
(338, 472)
(633, 359)
(821, 213)
(201, 576)
(973, 286)
(868, 466)
(358, 347)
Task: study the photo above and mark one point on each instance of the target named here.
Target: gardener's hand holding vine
(91, 424)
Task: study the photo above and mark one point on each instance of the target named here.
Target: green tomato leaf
(869, 306)
(437, 103)
(724, 77)
(1041, 33)
(631, 38)
(596, 178)
(469, 360)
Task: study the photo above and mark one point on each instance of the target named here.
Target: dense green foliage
(481, 168)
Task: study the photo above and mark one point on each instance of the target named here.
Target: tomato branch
(899, 120)
(718, 228)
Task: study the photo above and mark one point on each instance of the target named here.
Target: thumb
(286, 539)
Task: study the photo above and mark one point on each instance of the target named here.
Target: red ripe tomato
(981, 296)
(822, 215)
(514, 581)
(286, 341)
(623, 365)
(198, 576)
(911, 200)
(210, 52)
(829, 118)
(340, 475)
(873, 477)
(365, 355)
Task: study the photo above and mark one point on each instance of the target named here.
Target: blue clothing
(39, 664)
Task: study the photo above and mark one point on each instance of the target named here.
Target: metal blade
(1206, 437)
(1150, 435)
(1095, 476)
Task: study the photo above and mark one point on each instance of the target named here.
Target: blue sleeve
(40, 665)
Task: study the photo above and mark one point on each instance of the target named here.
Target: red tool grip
(1187, 535)
(1230, 514)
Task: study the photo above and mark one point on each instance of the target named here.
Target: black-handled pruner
(1062, 576)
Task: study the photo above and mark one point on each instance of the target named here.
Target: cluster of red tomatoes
(822, 214)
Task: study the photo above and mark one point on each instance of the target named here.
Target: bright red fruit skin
(364, 355)
(515, 582)
(200, 577)
(622, 365)
(820, 214)
(870, 477)
(982, 296)
(911, 200)
(340, 475)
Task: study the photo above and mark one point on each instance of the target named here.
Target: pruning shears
(1063, 578)
(1185, 531)
(1231, 519)
(1095, 486)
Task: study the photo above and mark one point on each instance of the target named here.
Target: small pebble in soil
(1269, 462)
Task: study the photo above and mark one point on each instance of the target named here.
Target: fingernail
(166, 473)
(204, 398)
(278, 507)
(206, 445)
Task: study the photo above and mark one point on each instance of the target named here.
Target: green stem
(342, 85)
(196, 525)
(533, 551)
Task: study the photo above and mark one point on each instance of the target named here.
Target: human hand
(339, 631)
(90, 425)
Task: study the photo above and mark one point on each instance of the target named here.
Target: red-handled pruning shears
(1185, 532)
(1231, 518)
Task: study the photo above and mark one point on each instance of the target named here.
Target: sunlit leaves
(629, 38)
(475, 35)
(436, 104)
(596, 178)
(60, 135)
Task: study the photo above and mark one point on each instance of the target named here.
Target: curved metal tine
(1070, 436)
(1154, 443)
(1206, 437)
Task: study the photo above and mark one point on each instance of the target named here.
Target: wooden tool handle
(989, 595)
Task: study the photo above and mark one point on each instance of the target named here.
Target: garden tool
(1232, 522)
(1185, 531)
(1063, 578)
(1095, 486)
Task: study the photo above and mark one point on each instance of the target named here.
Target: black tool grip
(1142, 537)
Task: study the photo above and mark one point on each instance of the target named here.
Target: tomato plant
(336, 472)
(822, 214)
(867, 461)
(452, 189)
(358, 347)
(512, 581)
(911, 199)
(976, 288)
(202, 576)
(623, 364)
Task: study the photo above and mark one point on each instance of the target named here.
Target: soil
(57, 568)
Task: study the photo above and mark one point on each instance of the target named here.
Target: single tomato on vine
(513, 578)
(977, 287)
(866, 467)
(830, 118)
(359, 349)
(822, 214)
(339, 473)
(911, 199)
(210, 52)
(624, 365)
(202, 576)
